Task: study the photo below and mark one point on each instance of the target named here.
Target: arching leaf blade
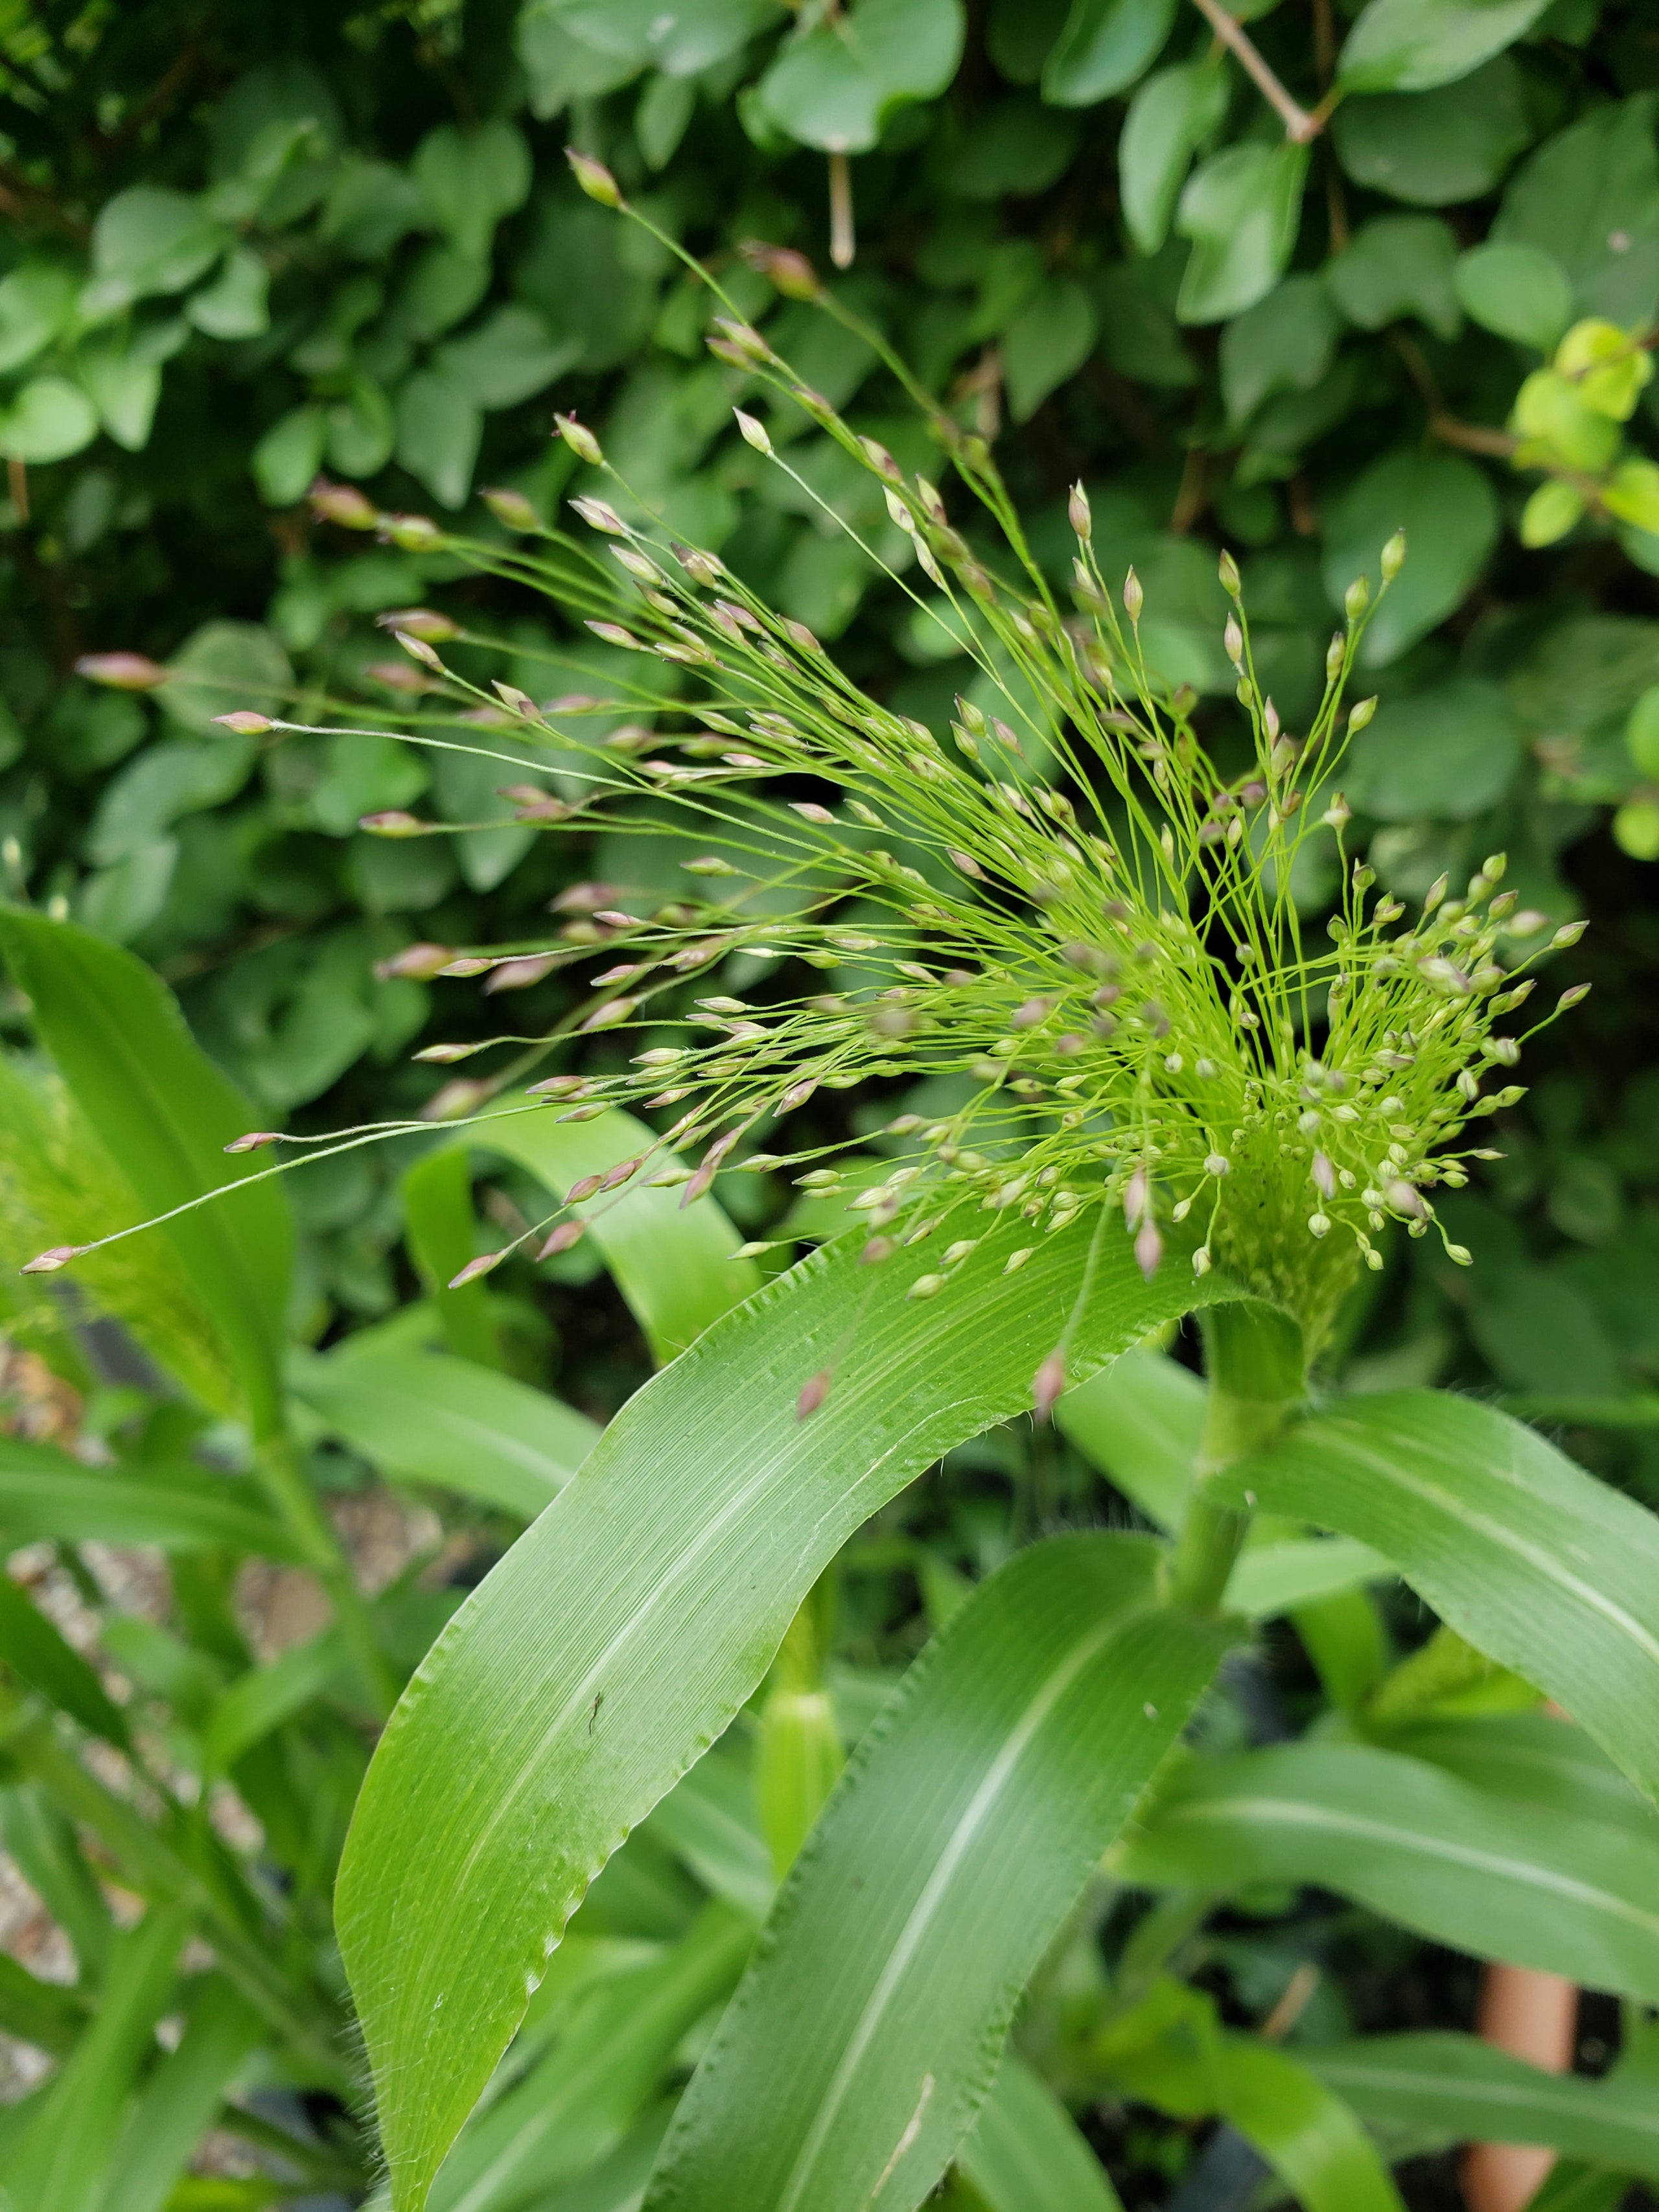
(869, 2025)
(1534, 1561)
(583, 1677)
(1430, 2090)
(1024, 2153)
(1531, 1884)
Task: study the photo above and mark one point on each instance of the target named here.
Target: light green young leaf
(1535, 1563)
(1104, 46)
(1242, 210)
(47, 420)
(1435, 2090)
(36, 301)
(584, 1676)
(1024, 2154)
(58, 2166)
(235, 305)
(1531, 1885)
(1411, 45)
(963, 1834)
(430, 1417)
(1169, 118)
(165, 1113)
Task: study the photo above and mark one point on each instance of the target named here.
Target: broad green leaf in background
(1242, 210)
(584, 1675)
(1436, 148)
(471, 179)
(1046, 343)
(678, 39)
(1398, 265)
(439, 428)
(148, 239)
(1412, 46)
(960, 1838)
(673, 1264)
(1437, 2089)
(289, 454)
(48, 420)
(1519, 291)
(1024, 2152)
(1104, 46)
(58, 2166)
(221, 665)
(36, 301)
(1589, 198)
(433, 1418)
(1451, 751)
(1448, 512)
(1535, 1563)
(165, 1114)
(1169, 118)
(1533, 1885)
(836, 86)
(45, 1494)
(1285, 343)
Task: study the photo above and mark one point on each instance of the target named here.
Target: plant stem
(1299, 125)
(1257, 1373)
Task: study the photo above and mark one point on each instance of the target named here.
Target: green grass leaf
(47, 1494)
(1023, 2154)
(58, 2166)
(1531, 1884)
(620, 1636)
(869, 2026)
(1535, 1563)
(1436, 2090)
(434, 1418)
(165, 1114)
